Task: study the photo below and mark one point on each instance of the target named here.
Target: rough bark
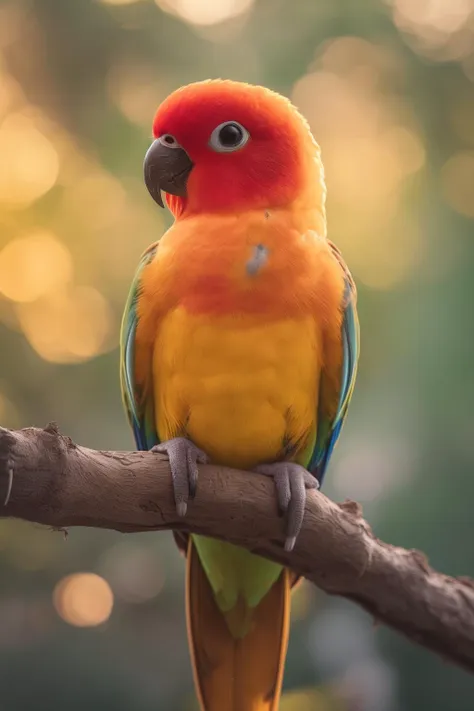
(60, 484)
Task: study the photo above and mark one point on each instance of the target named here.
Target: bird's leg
(291, 481)
(184, 457)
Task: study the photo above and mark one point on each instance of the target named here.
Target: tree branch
(57, 483)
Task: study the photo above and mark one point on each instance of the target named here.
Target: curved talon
(184, 457)
(291, 481)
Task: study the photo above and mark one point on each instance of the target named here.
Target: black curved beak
(166, 168)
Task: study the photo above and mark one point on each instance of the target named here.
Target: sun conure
(239, 347)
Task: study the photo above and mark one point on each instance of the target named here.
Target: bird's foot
(291, 481)
(184, 457)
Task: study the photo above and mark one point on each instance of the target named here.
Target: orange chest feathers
(236, 320)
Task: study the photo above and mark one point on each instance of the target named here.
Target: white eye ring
(166, 139)
(228, 137)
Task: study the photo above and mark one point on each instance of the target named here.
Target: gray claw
(184, 457)
(291, 481)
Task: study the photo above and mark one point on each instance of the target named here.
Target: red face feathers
(224, 146)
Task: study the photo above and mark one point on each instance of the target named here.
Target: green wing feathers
(139, 409)
(330, 429)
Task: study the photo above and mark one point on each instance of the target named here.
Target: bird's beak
(166, 168)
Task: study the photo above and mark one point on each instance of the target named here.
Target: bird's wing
(331, 419)
(138, 401)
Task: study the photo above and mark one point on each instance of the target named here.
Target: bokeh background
(97, 621)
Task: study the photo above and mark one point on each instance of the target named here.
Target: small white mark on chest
(258, 259)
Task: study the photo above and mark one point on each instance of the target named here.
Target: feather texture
(329, 426)
(253, 359)
(138, 406)
(236, 672)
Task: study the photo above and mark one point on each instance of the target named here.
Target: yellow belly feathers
(240, 388)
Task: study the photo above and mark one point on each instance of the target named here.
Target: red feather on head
(269, 170)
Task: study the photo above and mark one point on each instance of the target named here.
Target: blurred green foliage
(387, 88)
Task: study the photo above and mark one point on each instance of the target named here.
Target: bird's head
(225, 146)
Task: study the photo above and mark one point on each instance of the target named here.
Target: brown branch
(60, 484)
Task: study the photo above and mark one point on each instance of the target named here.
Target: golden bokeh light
(457, 182)
(101, 192)
(83, 599)
(436, 28)
(370, 147)
(435, 15)
(33, 266)
(205, 12)
(135, 91)
(407, 145)
(69, 325)
(76, 163)
(30, 163)
(112, 220)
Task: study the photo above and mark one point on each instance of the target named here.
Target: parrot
(239, 347)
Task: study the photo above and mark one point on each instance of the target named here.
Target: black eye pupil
(169, 140)
(230, 135)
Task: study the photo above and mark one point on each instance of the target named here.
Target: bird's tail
(230, 673)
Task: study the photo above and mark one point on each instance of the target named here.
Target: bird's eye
(228, 137)
(168, 140)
